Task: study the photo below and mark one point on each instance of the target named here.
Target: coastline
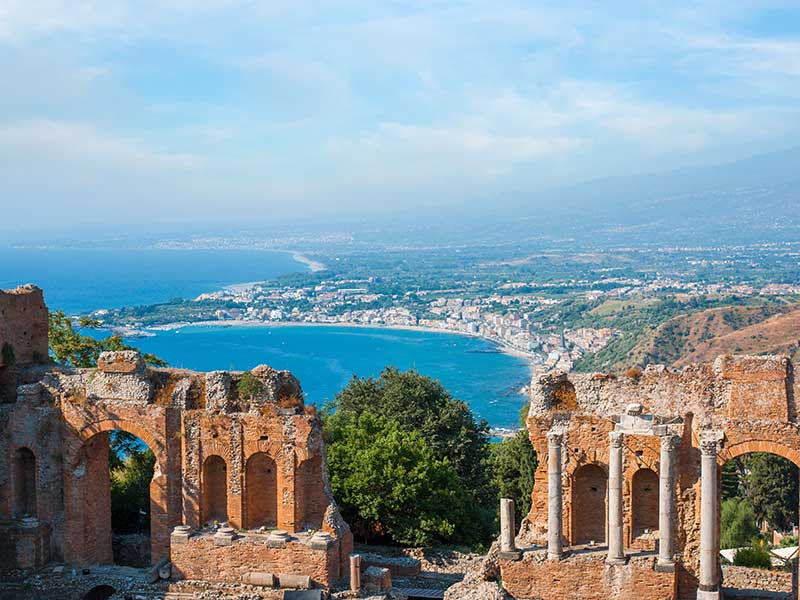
(270, 324)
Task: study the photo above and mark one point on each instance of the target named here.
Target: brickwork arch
(261, 491)
(644, 501)
(24, 483)
(214, 485)
(750, 446)
(149, 438)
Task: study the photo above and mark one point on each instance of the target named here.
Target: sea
(323, 358)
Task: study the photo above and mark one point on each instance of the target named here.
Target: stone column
(554, 501)
(508, 549)
(666, 499)
(708, 588)
(616, 554)
(355, 573)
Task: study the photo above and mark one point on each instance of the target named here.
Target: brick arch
(750, 446)
(149, 438)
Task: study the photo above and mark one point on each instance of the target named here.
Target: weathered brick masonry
(254, 463)
(610, 437)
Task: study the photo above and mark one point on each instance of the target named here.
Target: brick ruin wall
(254, 463)
(23, 334)
(751, 400)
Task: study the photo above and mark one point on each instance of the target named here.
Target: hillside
(701, 335)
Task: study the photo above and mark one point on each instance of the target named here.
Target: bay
(324, 358)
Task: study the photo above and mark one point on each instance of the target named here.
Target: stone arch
(149, 438)
(261, 491)
(99, 592)
(564, 397)
(24, 483)
(750, 446)
(88, 493)
(644, 502)
(214, 485)
(588, 517)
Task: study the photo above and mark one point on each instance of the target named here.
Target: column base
(554, 556)
(510, 554)
(617, 560)
(705, 595)
(665, 566)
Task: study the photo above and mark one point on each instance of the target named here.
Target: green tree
(737, 523)
(514, 466)
(420, 404)
(70, 347)
(390, 485)
(772, 489)
(131, 466)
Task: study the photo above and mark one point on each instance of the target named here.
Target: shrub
(737, 523)
(753, 556)
(250, 386)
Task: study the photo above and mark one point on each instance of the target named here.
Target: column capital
(710, 442)
(670, 442)
(615, 438)
(555, 438)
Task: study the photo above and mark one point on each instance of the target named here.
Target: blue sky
(197, 110)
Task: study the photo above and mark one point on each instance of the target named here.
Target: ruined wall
(751, 400)
(23, 326)
(59, 422)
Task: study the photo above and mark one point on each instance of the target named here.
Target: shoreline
(270, 324)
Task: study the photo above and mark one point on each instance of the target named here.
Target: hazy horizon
(148, 115)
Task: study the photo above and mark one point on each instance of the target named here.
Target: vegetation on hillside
(131, 466)
(513, 467)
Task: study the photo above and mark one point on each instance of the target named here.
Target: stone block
(123, 361)
(297, 582)
(224, 536)
(376, 579)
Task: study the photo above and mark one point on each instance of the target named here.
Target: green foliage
(737, 523)
(250, 386)
(131, 470)
(421, 407)
(755, 556)
(788, 541)
(391, 486)
(772, 489)
(70, 347)
(8, 354)
(514, 465)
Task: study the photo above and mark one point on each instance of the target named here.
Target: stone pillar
(355, 573)
(708, 588)
(616, 554)
(508, 549)
(554, 500)
(666, 499)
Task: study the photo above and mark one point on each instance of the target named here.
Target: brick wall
(585, 576)
(23, 325)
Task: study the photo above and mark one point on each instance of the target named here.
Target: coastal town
(535, 325)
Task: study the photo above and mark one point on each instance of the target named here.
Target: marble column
(554, 499)
(616, 554)
(708, 588)
(355, 573)
(666, 499)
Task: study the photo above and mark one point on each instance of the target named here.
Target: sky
(184, 111)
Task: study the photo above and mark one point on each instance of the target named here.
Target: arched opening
(115, 472)
(24, 483)
(589, 484)
(100, 592)
(215, 489)
(758, 522)
(310, 498)
(261, 491)
(644, 503)
(564, 397)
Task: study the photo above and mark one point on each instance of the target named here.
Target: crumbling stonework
(605, 427)
(250, 461)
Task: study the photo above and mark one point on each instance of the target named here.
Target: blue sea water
(80, 280)
(323, 358)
